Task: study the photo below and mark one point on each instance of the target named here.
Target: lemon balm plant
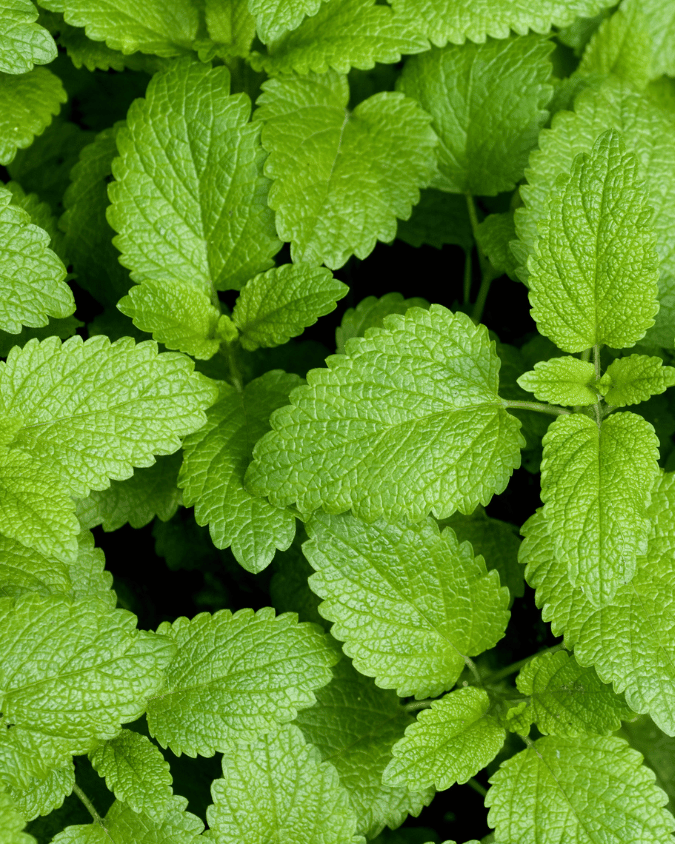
(159, 159)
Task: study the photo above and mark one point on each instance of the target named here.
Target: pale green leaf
(235, 677)
(580, 791)
(568, 700)
(594, 270)
(32, 286)
(370, 313)
(23, 43)
(565, 380)
(281, 303)
(634, 379)
(26, 570)
(482, 148)
(215, 461)
(41, 215)
(495, 234)
(408, 421)
(409, 603)
(136, 772)
(164, 29)
(75, 671)
(449, 743)
(595, 485)
(122, 825)
(93, 410)
(147, 493)
(342, 35)
(437, 219)
(658, 750)
(354, 725)
(46, 794)
(27, 104)
(231, 25)
(341, 177)
(12, 822)
(179, 315)
(457, 20)
(659, 20)
(29, 755)
(88, 575)
(88, 236)
(190, 200)
(276, 788)
(274, 17)
(628, 641)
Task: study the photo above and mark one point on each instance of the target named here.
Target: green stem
(416, 705)
(487, 271)
(477, 787)
(551, 409)
(488, 277)
(228, 351)
(596, 359)
(471, 665)
(467, 278)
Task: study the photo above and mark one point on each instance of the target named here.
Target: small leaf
(27, 104)
(23, 43)
(566, 380)
(449, 743)
(495, 234)
(230, 25)
(44, 795)
(437, 219)
(273, 17)
(370, 313)
(634, 379)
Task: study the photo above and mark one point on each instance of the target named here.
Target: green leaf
(32, 285)
(281, 303)
(449, 743)
(590, 789)
(44, 795)
(341, 177)
(96, 55)
(659, 20)
(12, 822)
(482, 150)
(634, 379)
(26, 570)
(594, 270)
(147, 493)
(27, 104)
(62, 328)
(457, 20)
(595, 485)
(289, 590)
(354, 725)
(568, 700)
(408, 421)
(342, 35)
(495, 234)
(75, 670)
(627, 640)
(41, 215)
(437, 219)
(235, 677)
(231, 25)
(277, 788)
(151, 27)
(214, 465)
(23, 43)
(190, 200)
(88, 236)
(274, 17)
(409, 603)
(657, 748)
(564, 380)
(136, 772)
(370, 313)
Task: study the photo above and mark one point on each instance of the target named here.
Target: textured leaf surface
(495, 234)
(24, 569)
(273, 17)
(23, 43)
(595, 485)
(437, 219)
(44, 795)
(88, 575)
(659, 20)
(634, 379)
(214, 465)
(12, 822)
(657, 748)
(565, 380)
(457, 20)
(27, 104)
(588, 790)
(370, 313)
(190, 200)
(231, 24)
(281, 303)
(408, 421)
(354, 725)
(277, 787)
(41, 215)
(236, 676)
(488, 104)
(449, 743)
(594, 271)
(32, 286)
(74, 670)
(409, 603)
(151, 27)
(136, 772)
(568, 700)
(630, 640)
(341, 178)
(342, 35)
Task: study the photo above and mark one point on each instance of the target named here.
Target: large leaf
(658, 19)
(595, 485)
(592, 789)
(215, 461)
(235, 677)
(594, 269)
(341, 177)
(23, 43)
(409, 603)
(482, 150)
(408, 421)
(28, 102)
